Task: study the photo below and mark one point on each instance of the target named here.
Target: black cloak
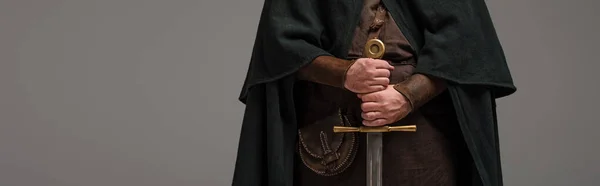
(453, 39)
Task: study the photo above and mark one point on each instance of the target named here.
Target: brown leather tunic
(422, 158)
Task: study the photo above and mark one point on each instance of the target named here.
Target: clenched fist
(384, 107)
(368, 75)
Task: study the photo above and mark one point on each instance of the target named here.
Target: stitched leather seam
(348, 159)
(335, 149)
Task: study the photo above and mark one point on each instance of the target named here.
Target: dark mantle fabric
(454, 40)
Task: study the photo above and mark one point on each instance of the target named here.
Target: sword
(374, 49)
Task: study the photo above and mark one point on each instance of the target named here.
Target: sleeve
(461, 45)
(419, 89)
(288, 37)
(326, 70)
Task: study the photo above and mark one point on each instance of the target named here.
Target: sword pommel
(374, 49)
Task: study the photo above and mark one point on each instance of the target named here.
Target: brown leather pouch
(323, 151)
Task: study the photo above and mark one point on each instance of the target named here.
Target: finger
(381, 73)
(380, 81)
(371, 89)
(372, 115)
(374, 123)
(360, 95)
(381, 64)
(378, 88)
(372, 97)
(370, 107)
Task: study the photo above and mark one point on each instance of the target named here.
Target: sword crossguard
(406, 128)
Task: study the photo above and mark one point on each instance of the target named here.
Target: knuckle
(370, 115)
(365, 60)
(360, 64)
(367, 97)
(366, 123)
(386, 108)
(384, 116)
(375, 88)
(388, 117)
(369, 89)
(386, 80)
(377, 96)
(387, 73)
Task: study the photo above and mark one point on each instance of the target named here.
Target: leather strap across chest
(375, 48)
(378, 22)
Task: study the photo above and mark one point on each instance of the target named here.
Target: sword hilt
(374, 48)
(405, 128)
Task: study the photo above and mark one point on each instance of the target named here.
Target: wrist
(326, 70)
(345, 73)
(419, 89)
(406, 94)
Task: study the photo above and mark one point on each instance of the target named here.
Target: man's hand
(384, 107)
(368, 75)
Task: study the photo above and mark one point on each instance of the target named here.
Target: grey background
(144, 92)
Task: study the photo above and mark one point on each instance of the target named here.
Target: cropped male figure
(442, 69)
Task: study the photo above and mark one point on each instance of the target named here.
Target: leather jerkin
(322, 151)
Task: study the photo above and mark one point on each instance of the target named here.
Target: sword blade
(374, 150)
